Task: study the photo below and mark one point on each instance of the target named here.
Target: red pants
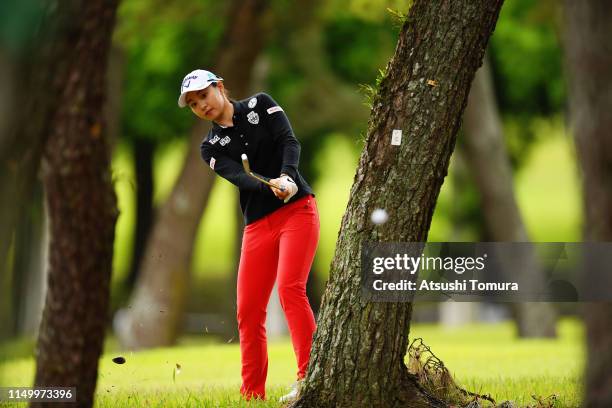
(278, 247)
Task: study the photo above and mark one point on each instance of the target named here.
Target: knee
(291, 293)
(250, 313)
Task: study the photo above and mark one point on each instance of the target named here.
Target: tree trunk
(358, 352)
(463, 221)
(589, 64)
(143, 150)
(82, 210)
(158, 302)
(491, 170)
(27, 104)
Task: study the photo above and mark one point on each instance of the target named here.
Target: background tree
(359, 346)
(524, 60)
(589, 63)
(157, 305)
(82, 205)
(157, 39)
(491, 170)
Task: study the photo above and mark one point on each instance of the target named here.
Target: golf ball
(379, 216)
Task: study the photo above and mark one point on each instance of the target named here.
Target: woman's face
(207, 103)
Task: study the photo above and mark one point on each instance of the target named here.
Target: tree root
(426, 383)
(432, 375)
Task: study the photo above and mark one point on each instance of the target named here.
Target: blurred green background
(356, 39)
(317, 59)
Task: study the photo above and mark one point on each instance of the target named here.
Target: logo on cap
(187, 80)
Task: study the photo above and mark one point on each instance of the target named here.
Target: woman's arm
(229, 169)
(281, 130)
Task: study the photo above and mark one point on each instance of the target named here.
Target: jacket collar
(238, 113)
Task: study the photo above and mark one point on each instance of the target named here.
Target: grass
(489, 359)
(483, 358)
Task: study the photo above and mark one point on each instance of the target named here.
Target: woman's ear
(221, 87)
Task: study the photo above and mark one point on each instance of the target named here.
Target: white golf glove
(289, 185)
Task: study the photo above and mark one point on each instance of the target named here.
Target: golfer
(281, 230)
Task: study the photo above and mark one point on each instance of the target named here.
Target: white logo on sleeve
(252, 103)
(212, 163)
(253, 117)
(214, 140)
(225, 141)
(274, 109)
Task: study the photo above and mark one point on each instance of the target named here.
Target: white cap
(194, 81)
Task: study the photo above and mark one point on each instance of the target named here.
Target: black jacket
(262, 131)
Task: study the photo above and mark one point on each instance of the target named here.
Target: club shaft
(247, 169)
(266, 182)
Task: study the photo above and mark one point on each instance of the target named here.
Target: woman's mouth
(207, 112)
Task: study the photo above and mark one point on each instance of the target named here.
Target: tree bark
(490, 167)
(82, 210)
(358, 352)
(589, 64)
(158, 302)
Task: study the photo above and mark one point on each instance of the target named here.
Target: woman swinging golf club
(252, 145)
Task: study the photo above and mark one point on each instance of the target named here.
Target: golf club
(247, 169)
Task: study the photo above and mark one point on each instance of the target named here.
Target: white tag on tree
(396, 137)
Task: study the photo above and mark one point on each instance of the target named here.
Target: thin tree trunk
(143, 165)
(158, 302)
(589, 64)
(490, 167)
(82, 210)
(455, 314)
(359, 347)
(112, 107)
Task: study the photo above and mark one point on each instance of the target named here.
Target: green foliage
(357, 48)
(371, 92)
(369, 10)
(162, 42)
(399, 16)
(526, 58)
